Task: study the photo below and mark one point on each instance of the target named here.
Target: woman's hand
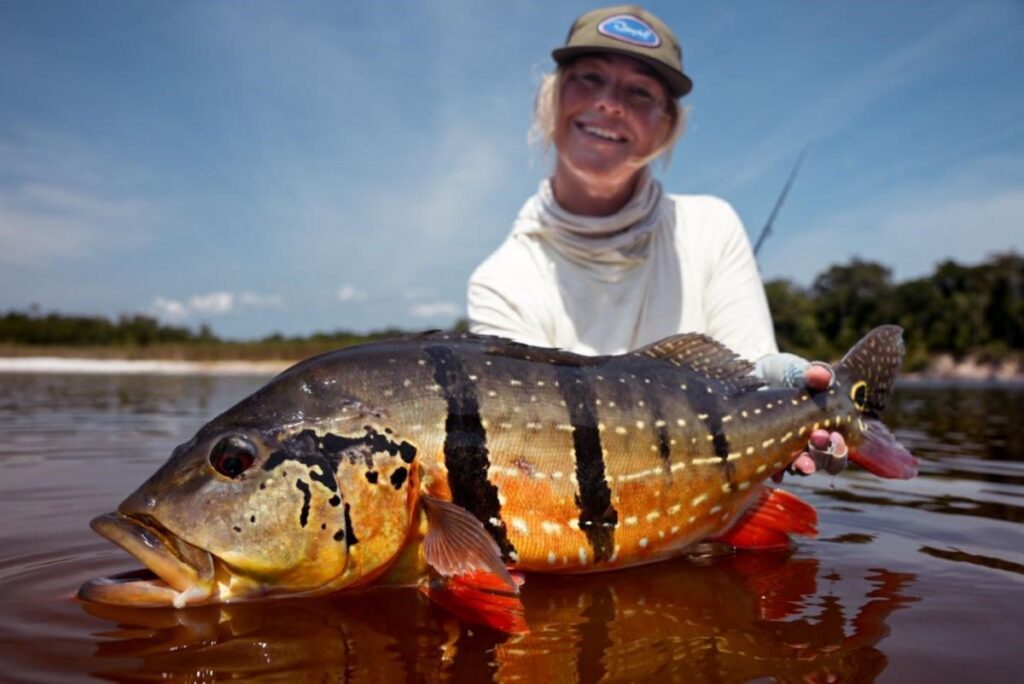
(825, 450)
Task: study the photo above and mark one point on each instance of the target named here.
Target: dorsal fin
(493, 345)
(556, 357)
(704, 356)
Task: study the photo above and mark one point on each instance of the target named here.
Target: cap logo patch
(629, 29)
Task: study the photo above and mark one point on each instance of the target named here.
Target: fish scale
(446, 460)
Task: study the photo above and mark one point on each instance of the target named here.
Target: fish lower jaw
(144, 589)
(177, 573)
(191, 595)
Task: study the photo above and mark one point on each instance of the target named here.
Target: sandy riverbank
(945, 367)
(58, 364)
(942, 367)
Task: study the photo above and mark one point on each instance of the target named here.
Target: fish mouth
(179, 574)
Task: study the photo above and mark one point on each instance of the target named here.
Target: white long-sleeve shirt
(663, 265)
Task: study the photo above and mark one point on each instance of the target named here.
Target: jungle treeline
(960, 310)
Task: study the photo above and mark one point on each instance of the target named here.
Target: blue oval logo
(629, 29)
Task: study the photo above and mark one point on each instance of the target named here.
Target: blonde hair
(545, 117)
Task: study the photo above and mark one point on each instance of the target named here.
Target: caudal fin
(868, 372)
(882, 454)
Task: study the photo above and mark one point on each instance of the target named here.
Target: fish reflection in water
(731, 618)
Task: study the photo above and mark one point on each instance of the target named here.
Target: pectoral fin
(473, 582)
(768, 523)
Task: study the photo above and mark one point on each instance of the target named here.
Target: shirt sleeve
(498, 301)
(734, 301)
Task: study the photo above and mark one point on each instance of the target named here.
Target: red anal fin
(881, 454)
(472, 598)
(473, 583)
(767, 524)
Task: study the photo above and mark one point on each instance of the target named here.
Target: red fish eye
(232, 456)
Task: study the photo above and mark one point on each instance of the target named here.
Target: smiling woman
(613, 118)
(601, 260)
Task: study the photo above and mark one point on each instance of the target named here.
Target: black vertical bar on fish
(704, 402)
(598, 518)
(658, 423)
(466, 456)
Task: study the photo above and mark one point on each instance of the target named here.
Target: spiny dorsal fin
(704, 356)
(494, 345)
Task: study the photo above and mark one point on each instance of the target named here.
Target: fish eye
(859, 395)
(232, 456)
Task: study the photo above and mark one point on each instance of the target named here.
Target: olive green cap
(632, 31)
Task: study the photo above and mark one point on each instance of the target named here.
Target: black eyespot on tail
(859, 395)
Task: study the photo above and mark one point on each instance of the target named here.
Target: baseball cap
(632, 31)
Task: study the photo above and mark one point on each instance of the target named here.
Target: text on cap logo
(629, 29)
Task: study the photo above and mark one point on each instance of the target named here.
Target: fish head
(245, 510)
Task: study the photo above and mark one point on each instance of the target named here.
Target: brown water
(909, 581)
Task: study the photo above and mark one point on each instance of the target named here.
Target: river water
(909, 581)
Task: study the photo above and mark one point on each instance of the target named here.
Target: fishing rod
(782, 198)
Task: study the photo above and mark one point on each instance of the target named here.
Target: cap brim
(679, 84)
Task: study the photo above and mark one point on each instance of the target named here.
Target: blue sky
(302, 166)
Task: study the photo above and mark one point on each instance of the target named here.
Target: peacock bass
(455, 462)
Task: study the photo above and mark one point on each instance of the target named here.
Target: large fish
(447, 460)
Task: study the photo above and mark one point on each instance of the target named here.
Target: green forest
(961, 310)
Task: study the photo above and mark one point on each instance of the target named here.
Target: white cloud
(170, 309)
(213, 303)
(217, 303)
(257, 300)
(435, 310)
(349, 293)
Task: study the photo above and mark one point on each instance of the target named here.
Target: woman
(600, 260)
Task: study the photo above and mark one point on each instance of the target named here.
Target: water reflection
(75, 445)
(985, 422)
(734, 619)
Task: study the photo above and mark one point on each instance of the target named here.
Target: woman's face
(613, 113)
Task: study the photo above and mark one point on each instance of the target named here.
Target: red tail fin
(881, 454)
(479, 598)
(768, 523)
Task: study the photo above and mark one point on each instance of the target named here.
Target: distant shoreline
(941, 368)
(88, 366)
